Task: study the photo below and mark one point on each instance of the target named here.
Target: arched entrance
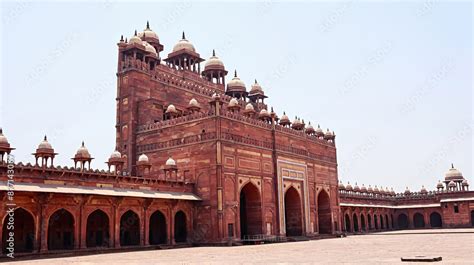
(129, 229)
(472, 218)
(402, 221)
(250, 211)
(293, 213)
(24, 231)
(324, 213)
(382, 226)
(158, 229)
(376, 224)
(347, 221)
(61, 230)
(387, 223)
(97, 231)
(180, 230)
(369, 220)
(418, 220)
(356, 222)
(362, 223)
(435, 220)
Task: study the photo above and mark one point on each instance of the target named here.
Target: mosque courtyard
(455, 246)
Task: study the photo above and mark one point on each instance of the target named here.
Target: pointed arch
(324, 213)
(129, 229)
(157, 231)
(61, 230)
(97, 229)
(250, 210)
(23, 229)
(293, 213)
(180, 228)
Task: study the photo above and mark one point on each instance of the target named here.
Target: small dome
(310, 128)
(148, 33)
(407, 191)
(392, 192)
(453, 174)
(451, 184)
(296, 121)
(214, 62)
(348, 187)
(328, 133)
(256, 88)
(439, 185)
(249, 107)
(319, 131)
(376, 190)
(236, 83)
(356, 187)
(285, 118)
(369, 189)
(170, 162)
(184, 44)
(143, 158)
(135, 39)
(363, 188)
(45, 144)
(264, 113)
(116, 154)
(423, 189)
(341, 186)
(171, 109)
(464, 183)
(3, 138)
(83, 152)
(149, 48)
(193, 103)
(233, 102)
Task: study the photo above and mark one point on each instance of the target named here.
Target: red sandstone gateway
(201, 162)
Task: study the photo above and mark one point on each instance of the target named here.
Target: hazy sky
(393, 79)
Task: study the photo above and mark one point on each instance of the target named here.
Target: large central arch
(158, 233)
(293, 213)
(24, 231)
(129, 229)
(250, 211)
(97, 231)
(61, 230)
(324, 213)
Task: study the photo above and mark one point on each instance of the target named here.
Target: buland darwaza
(201, 161)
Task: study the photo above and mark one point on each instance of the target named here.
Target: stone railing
(173, 122)
(246, 140)
(245, 119)
(146, 148)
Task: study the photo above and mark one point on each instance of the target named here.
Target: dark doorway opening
(180, 229)
(293, 213)
(418, 220)
(324, 213)
(97, 230)
(61, 230)
(402, 221)
(129, 229)
(157, 234)
(23, 229)
(250, 211)
(435, 220)
(347, 221)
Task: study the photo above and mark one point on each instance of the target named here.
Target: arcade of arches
(66, 229)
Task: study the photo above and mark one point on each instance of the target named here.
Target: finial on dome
(255, 81)
(213, 52)
(121, 37)
(271, 109)
(135, 33)
(126, 39)
(1, 130)
(45, 138)
(452, 165)
(82, 143)
(147, 24)
(284, 113)
(319, 126)
(235, 73)
(184, 36)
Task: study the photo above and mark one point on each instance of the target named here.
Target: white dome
(143, 158)
(310, 127)
(184, 44)
(349, 186)
(369, 189)
(45, 144)
(236, 82)
(135, 39)
(214, 61)
(439, 185)
(284, 117)
(264, 112)
(453, 173)
(148, 33)
(171, 108)
(319, 130)
(116, 154)
(407, 191)
(149, 48)
(249, 106)
(329, 133)
(256, 88)
(170, 162)
(193, 103)
(233, 102)
(363, 188)
(423, 189)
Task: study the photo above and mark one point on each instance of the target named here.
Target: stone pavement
(456, 246)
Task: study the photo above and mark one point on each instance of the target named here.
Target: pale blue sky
(393, 79)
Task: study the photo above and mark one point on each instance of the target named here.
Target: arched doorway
(97, 231)
(23, 229)
(435, 220)
(382, 226)
(129, 229)
(180, 230)
(158, 229)
(418, 220)
(356, 222)
(324, 213)
(293, 213)
(250, 211)
(61, 230)
(369, 220)
(387, 224)
(392, 221)
(347, 221)
(376, 224)
(472, 218)
(363, 226)
(402, 221)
